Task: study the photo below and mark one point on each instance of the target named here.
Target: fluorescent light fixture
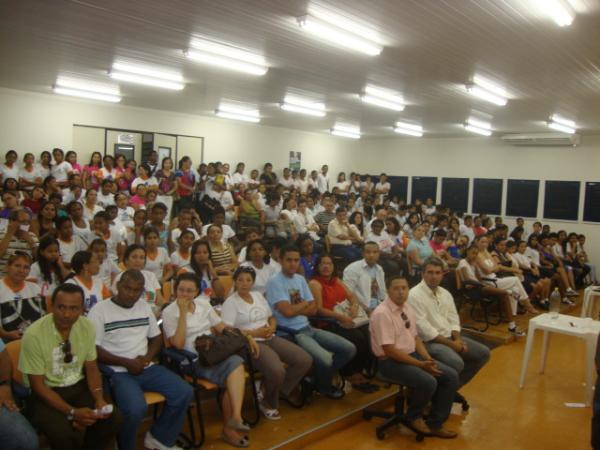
(135, 73)
(340, 33)
(234, 112)
(561, 120)
(478, 126)
(560, 10)
(560, 127)
(86, 89)
(409, 129)
(481, 93)
(226, 56)
(86, 94)
(478, 130)
(487, 90)
(302, 105)
(384, 98)
(347, 131)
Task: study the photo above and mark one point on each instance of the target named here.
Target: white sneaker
(568, 301)
(259, 393)
(154, 444)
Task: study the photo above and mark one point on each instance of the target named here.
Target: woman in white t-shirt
(45, 164)
(144, 179)
(157, 258)
(61, 168)
(9, 169)
(180, 258)
(81, 226)
(258, 259)
(249, 311)
(87, 267)
(191, 316)
(135, 258)
(342, 185)
(29, 175)
(90, 207)
(108, 170)
(108, 269)
(68, 242)
(49, 271)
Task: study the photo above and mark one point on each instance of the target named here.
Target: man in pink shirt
(404, 358)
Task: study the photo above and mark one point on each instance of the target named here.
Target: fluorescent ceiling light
(147, 71)
(487, 90)
(346, 131)
(560, 11)
(339, 34)
(148, 76)
(560, 127)
(382, 97)
(479, 123)
(302, 105)
(409, 129)
(481, 93)
(478, 126)
(86, 94)
(234, 112)
(86, 89)
(563, 121)
(477, 130)
(302, 110)
(226, 56)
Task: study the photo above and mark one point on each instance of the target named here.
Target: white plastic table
(588, 300)
(586, 329)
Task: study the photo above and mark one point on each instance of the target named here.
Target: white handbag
(345, 307)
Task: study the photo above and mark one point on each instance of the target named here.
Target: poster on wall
(125, 139)
(295, 160)
(163, 152)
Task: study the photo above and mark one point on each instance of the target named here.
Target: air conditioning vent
(543, 139)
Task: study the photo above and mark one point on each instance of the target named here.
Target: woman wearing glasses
(190, 316)
(249, 311)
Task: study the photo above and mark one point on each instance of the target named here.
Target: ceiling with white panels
(432, 48)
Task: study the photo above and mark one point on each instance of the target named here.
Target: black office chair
(392, 418)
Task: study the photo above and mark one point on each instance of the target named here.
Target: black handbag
(214, 349)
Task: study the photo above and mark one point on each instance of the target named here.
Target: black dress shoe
(458, 398)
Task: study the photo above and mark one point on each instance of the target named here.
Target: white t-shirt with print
(61, 171)
(236, 312)
(68, 249)
(157, 264)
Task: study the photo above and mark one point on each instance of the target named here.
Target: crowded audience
(330, 281)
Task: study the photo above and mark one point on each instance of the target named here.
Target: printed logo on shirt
(294, 296)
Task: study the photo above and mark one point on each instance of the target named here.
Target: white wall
(36, 122)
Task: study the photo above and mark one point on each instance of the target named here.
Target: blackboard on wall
(591, 206)
(561, 200)
(522, 198)
(487, 196)
(424, 188)
(399, 186)
(455, 193)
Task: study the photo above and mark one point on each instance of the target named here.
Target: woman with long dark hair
(336, 301)
(49, 271)
(201, 265)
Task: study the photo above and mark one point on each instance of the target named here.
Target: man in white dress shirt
(438, 325)
(322, 180)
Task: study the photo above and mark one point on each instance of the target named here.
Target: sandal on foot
(239, 443)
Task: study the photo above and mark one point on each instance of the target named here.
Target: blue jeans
(330, 353)
(424, 388)
(128, 392)
(596, 416)
(466, 364)
(16, 433)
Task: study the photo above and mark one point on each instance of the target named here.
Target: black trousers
(360, 337)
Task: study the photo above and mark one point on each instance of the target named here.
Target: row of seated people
(419, 346)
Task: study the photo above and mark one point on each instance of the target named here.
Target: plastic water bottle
(554, 304)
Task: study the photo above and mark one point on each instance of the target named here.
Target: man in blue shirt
(291, 302)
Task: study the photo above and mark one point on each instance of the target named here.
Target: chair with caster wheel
(392, 418)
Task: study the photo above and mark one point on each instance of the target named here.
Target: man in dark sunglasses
(58, 355)
(404, 359)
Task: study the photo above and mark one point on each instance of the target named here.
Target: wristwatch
(71, 415)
